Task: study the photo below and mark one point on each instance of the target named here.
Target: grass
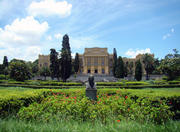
(14, 125)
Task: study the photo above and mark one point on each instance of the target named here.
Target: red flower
(98, 102)
(97, 96)
(170, 102)
(128, 109)
(74, 97)
(118, 120)
(126, 97)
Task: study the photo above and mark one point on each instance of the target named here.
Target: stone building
(94, 60)
(43, 61)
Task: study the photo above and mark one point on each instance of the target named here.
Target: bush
(71, 106)
(174, 82)
(19, 71)
(2, 77)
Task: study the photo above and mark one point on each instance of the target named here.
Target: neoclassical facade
(94, 61)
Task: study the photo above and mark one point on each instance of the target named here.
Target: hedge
(98, 87)
(12, 102)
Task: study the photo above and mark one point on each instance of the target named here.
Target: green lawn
(13, 125)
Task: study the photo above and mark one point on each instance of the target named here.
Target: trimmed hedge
(98, 87)
(13, 101)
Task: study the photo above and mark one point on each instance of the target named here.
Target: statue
(91, 90)
(90, 84)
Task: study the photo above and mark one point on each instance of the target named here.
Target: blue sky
(32, 27)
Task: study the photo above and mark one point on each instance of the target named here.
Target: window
(89, 71)
(103, 71)
(89, 61)
(102, 61)
(96, 71)
(95, 61)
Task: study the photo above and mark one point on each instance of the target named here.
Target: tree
(120, 68)
(148, 61)
(126, 69)
(54, 66)
(156, 66)
(130, 67)
(65, 60)
(170, 65)
(19, 71)
(45, 72)
(138, 70)
(5, 62)
(76, 63)
(1, 69)
(114, 61)
(35, 67)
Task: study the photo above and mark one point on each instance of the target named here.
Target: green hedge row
(52, 83)
(98, 87)
(120, 83)
(12, 103)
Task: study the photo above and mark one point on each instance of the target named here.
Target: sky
(32, 27)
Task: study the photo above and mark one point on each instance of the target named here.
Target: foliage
(114, 61)
(130, 67)
(80, 108)
(156, 65)
(1, 69)
(45, 72)
(19, 71)
(120, 68)
(54, 63)
(126, 69)
(5, 62)
(170, 65)
(35, 67)
(76, 63)
(65, 61)
(148, 61)
(12, 100)
(138, 71)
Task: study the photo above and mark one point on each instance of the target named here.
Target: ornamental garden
(58, 104)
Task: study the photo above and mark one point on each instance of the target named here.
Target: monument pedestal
(91, 94)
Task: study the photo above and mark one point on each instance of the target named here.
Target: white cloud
(133, 53)
(49, 38)
(21, 37)
(73, 55)
(50, 7)
(168, 34)
(58, 36)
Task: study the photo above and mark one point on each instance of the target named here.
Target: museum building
(93, 61)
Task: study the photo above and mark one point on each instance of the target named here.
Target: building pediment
(96, 52)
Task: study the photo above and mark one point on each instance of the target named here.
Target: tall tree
(66, 61)
(148, 61)
(138, 70)
(130, 67)
(5, 62)
(53, 63)
(114, 61)
(126, 69)
(76, 63)
(170, 65)
(120, 68)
